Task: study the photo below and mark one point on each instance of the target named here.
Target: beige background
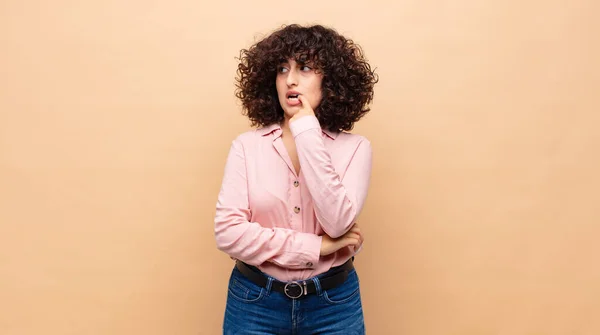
(116, 118)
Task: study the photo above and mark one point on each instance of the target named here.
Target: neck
(285, 126)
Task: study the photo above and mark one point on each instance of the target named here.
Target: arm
(249, 241)
(337, 202)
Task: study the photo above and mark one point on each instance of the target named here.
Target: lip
(292, 102)
(291, 92)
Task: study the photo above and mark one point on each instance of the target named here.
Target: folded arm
(249, 241)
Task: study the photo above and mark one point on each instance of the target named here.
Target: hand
(352, 238)
(305, 109)
(362, 238)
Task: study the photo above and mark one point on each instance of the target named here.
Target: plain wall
(483, 215)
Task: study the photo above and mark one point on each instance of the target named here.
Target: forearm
(337, 201)
(254, 244)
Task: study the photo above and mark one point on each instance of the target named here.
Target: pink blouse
(272, 218)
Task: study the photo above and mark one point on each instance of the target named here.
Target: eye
(305, 68)
(282, 69)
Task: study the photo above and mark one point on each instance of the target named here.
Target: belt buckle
(294, 290)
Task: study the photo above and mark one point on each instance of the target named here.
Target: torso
(273, 195)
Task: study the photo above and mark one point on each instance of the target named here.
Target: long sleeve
(337, 202)
(249, 241)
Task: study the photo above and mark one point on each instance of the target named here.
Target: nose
(292, 78)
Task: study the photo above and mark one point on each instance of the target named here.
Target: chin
(289, 113)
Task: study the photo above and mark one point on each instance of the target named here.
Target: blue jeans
(252, 309)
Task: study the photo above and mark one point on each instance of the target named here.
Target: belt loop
(269, 285)
(317, 286)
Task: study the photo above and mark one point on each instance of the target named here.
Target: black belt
(296, 289)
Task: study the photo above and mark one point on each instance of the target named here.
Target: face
(295, 79)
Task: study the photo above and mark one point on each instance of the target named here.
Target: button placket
(295, 202)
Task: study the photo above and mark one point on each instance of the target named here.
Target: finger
(352, 235)
(361, 237)
(351, 231)
(303, 100)
(359, 232)
(305, 104)
(356, 246)
(355, 230)
(354, 226)
(351, 241)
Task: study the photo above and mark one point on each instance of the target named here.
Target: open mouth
(293, 98)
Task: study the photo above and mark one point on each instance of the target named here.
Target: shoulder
(351, 139)
(252, 139)
(250, 136)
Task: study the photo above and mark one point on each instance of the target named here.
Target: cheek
(318, 91)
(317, 96)
(280, 85)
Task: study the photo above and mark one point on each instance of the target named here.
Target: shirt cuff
(310, 258)
(303, 124)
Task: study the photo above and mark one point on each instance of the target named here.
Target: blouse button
(296, 209)
(296, 183)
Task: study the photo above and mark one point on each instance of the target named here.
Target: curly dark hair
(347, 86)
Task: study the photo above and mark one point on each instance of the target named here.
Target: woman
(293, 188)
